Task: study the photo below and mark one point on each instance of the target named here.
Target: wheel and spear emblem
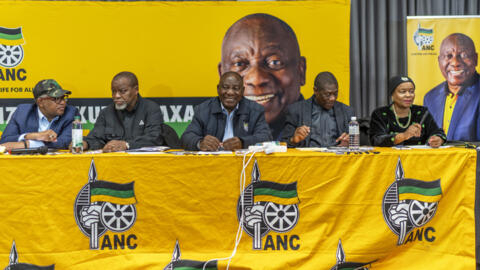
(15, 265)
(267, 206)
(102, 205)
(342, 264)
(179, 264)
(11, 51)
(409, 203)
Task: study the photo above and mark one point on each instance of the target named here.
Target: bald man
(264, 50)
(228, 121)
(454, 103)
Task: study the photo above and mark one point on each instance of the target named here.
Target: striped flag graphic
(27, 266)
(104, 191)
(351, 266)
(265, 191)
(410, 189)
(11, 36)
(193, 265)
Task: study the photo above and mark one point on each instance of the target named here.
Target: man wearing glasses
(319, 121)
(46, 122)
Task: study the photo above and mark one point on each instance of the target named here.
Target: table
(338, 210)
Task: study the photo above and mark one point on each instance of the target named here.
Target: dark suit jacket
(300, 113)
(249, 123)
(465, 122)
(25, 120)
(147, 129)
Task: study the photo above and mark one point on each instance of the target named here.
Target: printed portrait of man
(454, 103)
(264, 50)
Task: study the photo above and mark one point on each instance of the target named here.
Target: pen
(424, 117)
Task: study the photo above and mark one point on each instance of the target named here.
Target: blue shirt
(43, 124)
(229, 124)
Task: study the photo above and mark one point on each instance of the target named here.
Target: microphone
(29, 151)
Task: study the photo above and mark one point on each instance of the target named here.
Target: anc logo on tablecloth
(342, 264)
(101, 206)
(178, 264)
(15, 265)
(409, 204)
(269, 206)
(11, 51)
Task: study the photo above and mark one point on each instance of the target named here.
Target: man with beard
(455, 103)
(321, 120)
(46, 122)
(264, 50)
(130, 122)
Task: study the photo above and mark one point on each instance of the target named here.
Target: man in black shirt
(321, 120)
(130, 122)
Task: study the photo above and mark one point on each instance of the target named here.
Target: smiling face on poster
(442, 59)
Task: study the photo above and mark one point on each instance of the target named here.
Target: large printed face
(124, 94)
(267, 57)
(457, 60)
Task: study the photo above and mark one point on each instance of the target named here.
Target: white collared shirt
(229, 123)
(43, 124)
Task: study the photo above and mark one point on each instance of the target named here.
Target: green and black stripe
(193, 265)
(11, 36)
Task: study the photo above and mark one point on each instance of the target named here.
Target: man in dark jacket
(46, 122)
(130, 122)
(321, 120)
(228, 121)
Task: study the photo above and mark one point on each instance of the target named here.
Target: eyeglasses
(58, 100)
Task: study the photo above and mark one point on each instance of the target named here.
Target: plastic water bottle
(77, 136)
(354, 132)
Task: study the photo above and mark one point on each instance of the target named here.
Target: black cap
(49, 87)
(396, 81)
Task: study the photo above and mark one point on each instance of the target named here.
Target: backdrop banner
(393, 210)
(436, 72)
(173, 47)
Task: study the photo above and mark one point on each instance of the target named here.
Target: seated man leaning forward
(130, 122)
(228, 121)
(46, 122)
(321, 120)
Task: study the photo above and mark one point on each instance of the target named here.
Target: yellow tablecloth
(195, 200)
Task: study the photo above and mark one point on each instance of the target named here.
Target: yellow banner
(173, 47)
(348, 211)
(424, 37)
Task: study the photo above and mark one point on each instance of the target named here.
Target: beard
(121, 107)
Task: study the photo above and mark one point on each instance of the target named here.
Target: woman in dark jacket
(402, 123)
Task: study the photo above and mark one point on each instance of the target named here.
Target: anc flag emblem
(193, 265)
(104, 191)
(410, 189)
(11, 36)
(265, 191)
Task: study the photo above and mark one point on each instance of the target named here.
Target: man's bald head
(457, 60)
(231, 74)
(264, 50)
(262, 22)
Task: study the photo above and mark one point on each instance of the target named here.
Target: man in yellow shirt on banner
(455, 103)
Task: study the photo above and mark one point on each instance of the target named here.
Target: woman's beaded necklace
(396, 117)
